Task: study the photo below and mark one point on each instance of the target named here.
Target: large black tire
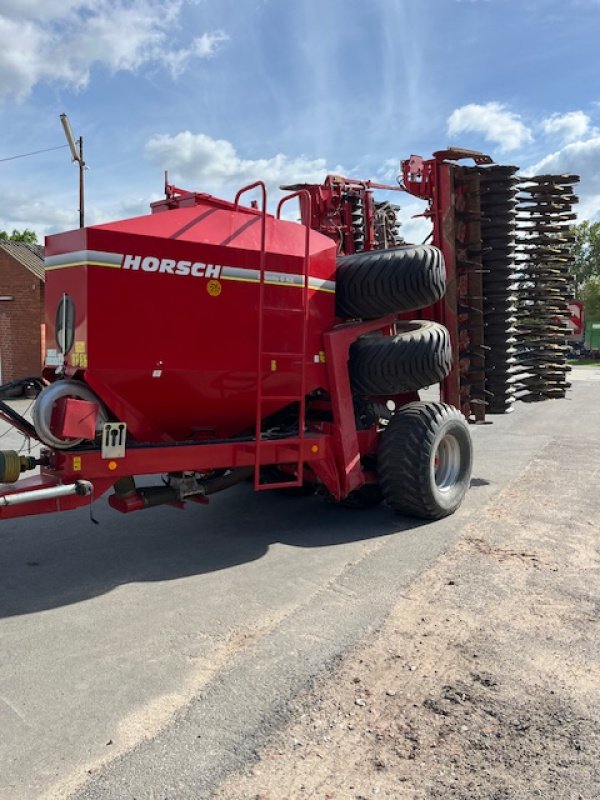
(379, 282)
(418, 355)
(425, 459)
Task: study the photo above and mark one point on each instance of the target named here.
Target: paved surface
(148, 656)
(587, 373)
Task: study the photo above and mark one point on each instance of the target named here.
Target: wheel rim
(447, 463)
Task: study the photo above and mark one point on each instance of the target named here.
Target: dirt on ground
(484, 682)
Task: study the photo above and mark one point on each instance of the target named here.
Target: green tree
(590, 294)
(26, 236)
(586, 253)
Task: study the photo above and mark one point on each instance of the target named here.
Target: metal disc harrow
(544, 286)
(469, 296)
(498, 238)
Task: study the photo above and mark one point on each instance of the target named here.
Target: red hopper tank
(164, 312)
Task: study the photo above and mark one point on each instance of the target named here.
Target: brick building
(21, 310)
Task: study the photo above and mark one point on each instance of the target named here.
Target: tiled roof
(30, 255)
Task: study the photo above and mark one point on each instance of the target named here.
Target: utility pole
(76, 155)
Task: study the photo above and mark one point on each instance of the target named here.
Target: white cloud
(415, 231)
(570, 126)
(415, 228)
(493, 121)
(207, 45)
(204, 46)
(136, 206)
(389, 170)
(42, 9)
(62, 40)
(206, 164)
(577, 158)
(19, 209)
(581, 158)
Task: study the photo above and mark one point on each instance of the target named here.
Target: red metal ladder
(266, 358)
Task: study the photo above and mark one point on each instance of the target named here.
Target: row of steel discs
(543, 274)
(525, 232)
(498, 234)
(386, 224)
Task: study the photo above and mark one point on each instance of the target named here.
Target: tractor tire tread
(417, 356)
(379, 282)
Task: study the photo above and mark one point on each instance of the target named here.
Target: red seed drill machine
(212, 342)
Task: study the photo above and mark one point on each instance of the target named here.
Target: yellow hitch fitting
(12, 465)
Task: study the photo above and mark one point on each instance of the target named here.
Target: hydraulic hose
(12, 416)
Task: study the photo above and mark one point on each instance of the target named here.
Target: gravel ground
(483, 683)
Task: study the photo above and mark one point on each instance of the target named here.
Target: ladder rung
(280, 485)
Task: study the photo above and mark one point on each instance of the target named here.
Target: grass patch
(584, 362)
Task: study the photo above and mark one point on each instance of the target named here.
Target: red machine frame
(441, 183)
(437, 181)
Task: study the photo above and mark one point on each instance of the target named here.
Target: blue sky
(222, 92)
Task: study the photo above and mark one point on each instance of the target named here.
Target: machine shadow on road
(51, 561)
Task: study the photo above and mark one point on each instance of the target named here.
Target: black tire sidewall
(406, 459)
(449, 499)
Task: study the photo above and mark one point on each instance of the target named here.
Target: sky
(225, 92)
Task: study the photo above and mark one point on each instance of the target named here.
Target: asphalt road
(148, 656)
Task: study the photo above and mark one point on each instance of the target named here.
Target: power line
(35, 152)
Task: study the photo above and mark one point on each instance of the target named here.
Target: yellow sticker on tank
(76, 463)
(80, 347)
(214, 288)
(83, 362)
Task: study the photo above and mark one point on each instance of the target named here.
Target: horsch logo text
(197, 269)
